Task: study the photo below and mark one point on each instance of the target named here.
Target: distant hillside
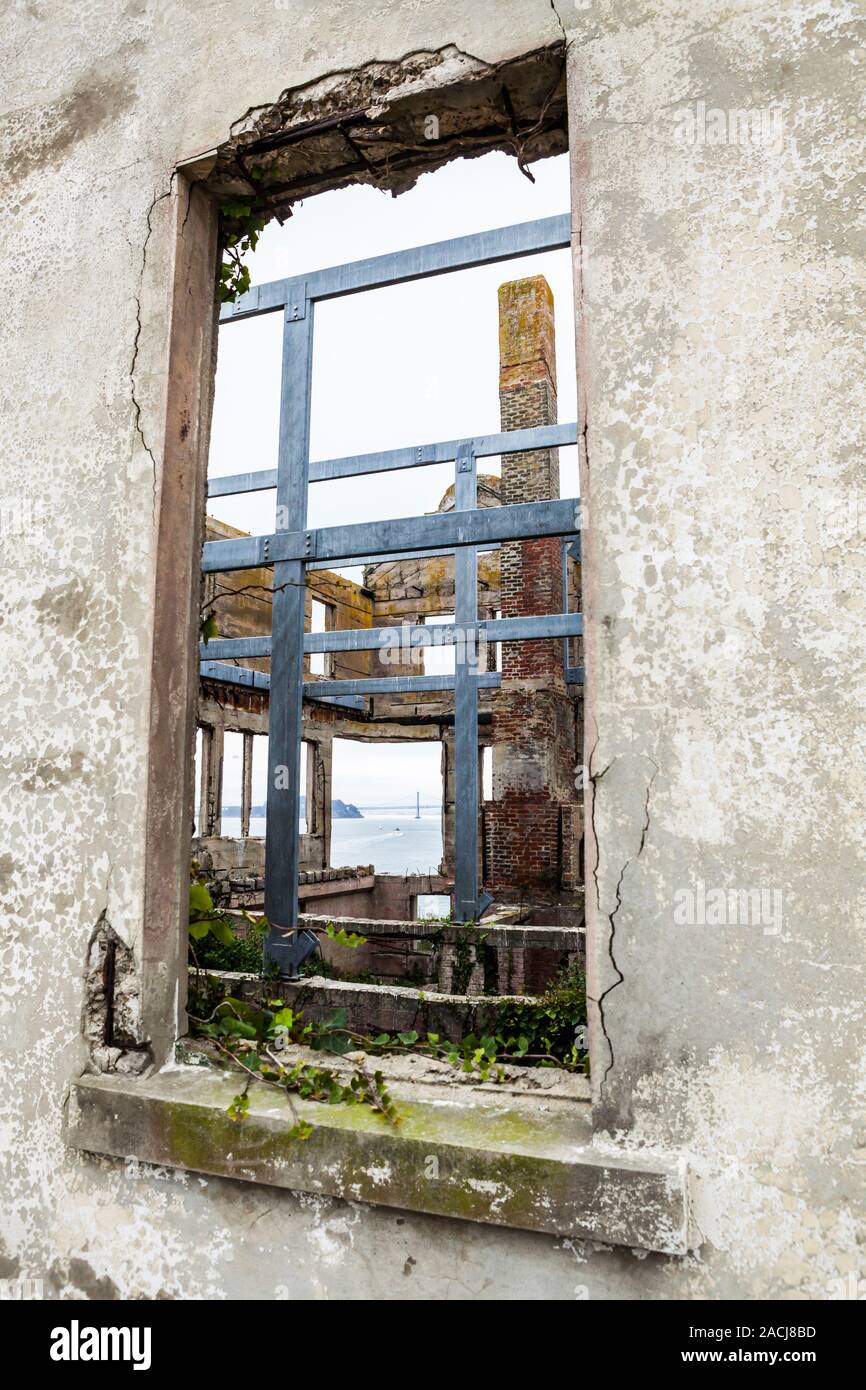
(340, 810)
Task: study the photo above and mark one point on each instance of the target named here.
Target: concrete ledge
(372, 1009)
(502, 934)
(413, 1076)
(521, 1164)
(329, 888)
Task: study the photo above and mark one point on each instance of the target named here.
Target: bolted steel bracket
(296, 303)
(289, 951)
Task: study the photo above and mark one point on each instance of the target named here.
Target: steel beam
(340, 692)
(395, 268)
(260, 480)
(338, 544)
(400, 555)
(282, 833)
(235, 675)
(409, 636)
(466, 707)
(404, 685)
(414, 456)
(385, 559)
(422, 455)
(237, 648)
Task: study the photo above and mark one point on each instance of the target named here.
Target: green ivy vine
(242, 221)
(254, 1038)
(548, 1032)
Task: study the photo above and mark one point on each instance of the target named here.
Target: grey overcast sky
(406, 365)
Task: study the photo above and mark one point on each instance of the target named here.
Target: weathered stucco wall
(720, 362)
(721, 309)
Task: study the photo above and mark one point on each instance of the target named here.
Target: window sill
(519, 1161)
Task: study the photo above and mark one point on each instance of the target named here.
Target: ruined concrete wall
(719, 308)
(241, 602)
(719, 359)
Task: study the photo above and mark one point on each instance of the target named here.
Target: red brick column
(530, 849)
(530, 570)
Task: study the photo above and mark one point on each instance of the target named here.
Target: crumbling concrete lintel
(522, 1164)
(387, 122)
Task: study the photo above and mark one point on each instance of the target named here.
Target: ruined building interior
(530, 802)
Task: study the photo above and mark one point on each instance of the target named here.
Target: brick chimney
(529, 824)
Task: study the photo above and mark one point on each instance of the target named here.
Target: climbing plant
(550, 1030)
(252, 1037)
(242, 221)
(547, 1032)
(255, 1038)
(204, 918)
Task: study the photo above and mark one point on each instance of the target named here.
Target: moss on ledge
(527, 1164)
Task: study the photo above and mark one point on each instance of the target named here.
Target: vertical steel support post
(287, 648)
(466, 704)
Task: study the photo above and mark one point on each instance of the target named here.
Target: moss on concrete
(527, 1165)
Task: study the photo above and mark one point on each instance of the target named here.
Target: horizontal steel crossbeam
(373, 685)
(408, 637)
(241, 675)
(337, 691)
(236, 675)
(418, 636)
(377, 272)
(521, 521)
(413, 456)
(402, 685)
(399, 555)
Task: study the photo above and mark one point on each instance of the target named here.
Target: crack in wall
(611, 916)
(159, 198)
(593, 778)
(559, 21)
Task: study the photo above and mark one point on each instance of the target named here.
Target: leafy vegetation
(206, 920)
(244, 954)
(341, 937)
(241, 226)
(255, 1038)
(547, 1032)
(242, 221)
(252, 1036)
(550, 1031)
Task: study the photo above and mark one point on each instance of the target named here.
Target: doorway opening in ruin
(372, 589)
